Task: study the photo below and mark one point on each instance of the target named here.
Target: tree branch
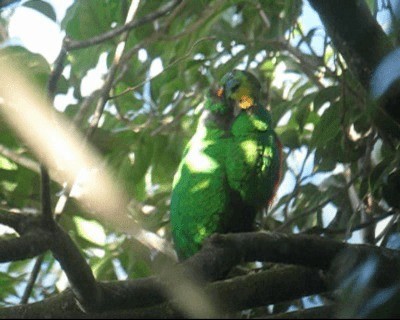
(268, 287)
(47, 212)
(363, 44)
(105, 90)
(305, 250)
(76, 268)
(355, 33)
(13, 219)
(218, 255)
(73, 45)
(38, 237)
(32, 279)
(27, 246)
(142, 296)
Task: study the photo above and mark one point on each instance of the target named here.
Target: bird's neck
(220, 121)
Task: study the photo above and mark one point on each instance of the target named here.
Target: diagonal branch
(365, 46)
(73, 45)
(175, 62)
(38, 237)
(105, 90)
(78, 271)
(32, 279)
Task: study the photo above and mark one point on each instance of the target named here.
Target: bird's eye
(235, 87)
(232, 85)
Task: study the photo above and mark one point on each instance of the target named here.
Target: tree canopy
(86, 166)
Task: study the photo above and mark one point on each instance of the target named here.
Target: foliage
(338, 161)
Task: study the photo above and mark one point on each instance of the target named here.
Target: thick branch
(355, 33)
(79, 273)
(221, 252)
(28, 246)
(268, 287)
(56, 74)
(363, 44)
(13, 220)
(145, 295)
(38, 237)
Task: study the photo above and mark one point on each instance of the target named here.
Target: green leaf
(303, 110)
(328, 127)
(85, 19)
(43, 7)
(371, 5)
(329, 94)
(289, 138)
(90, 230)
(8, 285)
(103, 268)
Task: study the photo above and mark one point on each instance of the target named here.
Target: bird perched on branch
(230, 168)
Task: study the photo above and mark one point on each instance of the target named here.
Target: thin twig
(56, 74)
(316, 207)
(388, 227)
(105, 90)
(372, 221)
(187, 55)
(78, 118)
(306, 65)
(73, 45)
(32, 279)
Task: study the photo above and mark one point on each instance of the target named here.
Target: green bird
(230, 169)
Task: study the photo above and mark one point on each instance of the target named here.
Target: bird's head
(237, 101)
(240, 89)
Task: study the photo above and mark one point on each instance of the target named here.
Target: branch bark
(257, 289)
(355, 33)
(219, 254)
(362, 43)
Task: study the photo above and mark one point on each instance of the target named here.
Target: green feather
(230, 167)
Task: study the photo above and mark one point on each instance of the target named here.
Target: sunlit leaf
(90, 230)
